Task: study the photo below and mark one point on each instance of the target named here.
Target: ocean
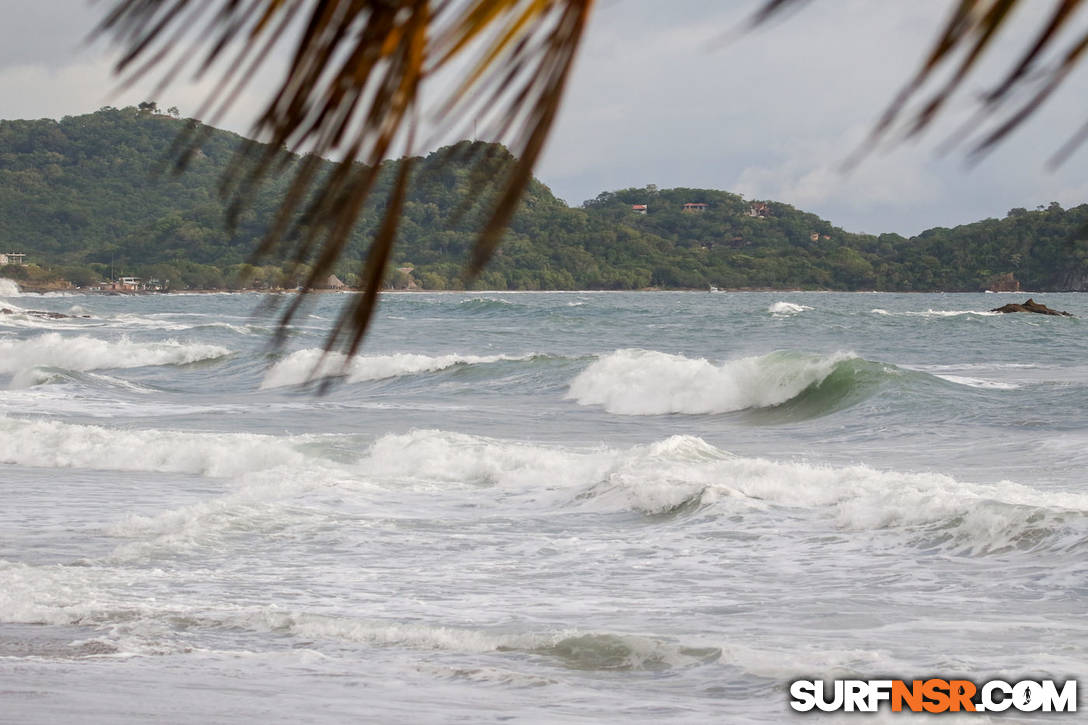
(534, 507)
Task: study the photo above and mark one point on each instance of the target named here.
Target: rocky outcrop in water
(1030, 306)
(41, 313)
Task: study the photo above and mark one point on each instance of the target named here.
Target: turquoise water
(552, 507)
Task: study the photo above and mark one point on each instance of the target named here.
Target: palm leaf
(966, 38)
(352, 91)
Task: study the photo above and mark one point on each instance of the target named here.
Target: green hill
(83, 197)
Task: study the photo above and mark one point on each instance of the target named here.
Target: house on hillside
(7, 258)
(759, 210)
(638, 208)
(695, 207)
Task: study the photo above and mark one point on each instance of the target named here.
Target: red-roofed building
(695, 206)
(638, 208)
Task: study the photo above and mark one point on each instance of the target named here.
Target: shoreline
(54, 290)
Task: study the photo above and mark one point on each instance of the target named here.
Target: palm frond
(966, 38)
(352, 91)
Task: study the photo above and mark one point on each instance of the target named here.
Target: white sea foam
(52, 444)
(8, 287)
(75, 596)
(931, 313)
(92, 597)
(645, 382)
(81, 353)
(785, 309)
(952, 313)
(304, 366)
(978, 382)
(953, 373)
(677, 474)
(14, 316)
(435, 458)
(580, 650)
(160, 323)
(681, 470)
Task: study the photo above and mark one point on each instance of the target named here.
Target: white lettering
(989, 704)
(1064, 701)
(821, 696)
(1027, 696)
(857, 696)
(879, 691)
(803, 693)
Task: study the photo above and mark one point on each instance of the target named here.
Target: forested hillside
(86, 197)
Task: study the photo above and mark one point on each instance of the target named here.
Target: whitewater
(539, 507)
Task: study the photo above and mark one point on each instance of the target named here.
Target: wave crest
(676, 478)
(645, 382)
(304, 366)
(54, 444)
(83, 353)
(785, 309)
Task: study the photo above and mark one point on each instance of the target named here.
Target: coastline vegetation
(91, 197)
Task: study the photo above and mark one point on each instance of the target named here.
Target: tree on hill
(82, 196)
(353, 91)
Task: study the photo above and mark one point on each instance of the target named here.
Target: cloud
(775, 113)
(659, 97)
(85, 82)
(45, 33)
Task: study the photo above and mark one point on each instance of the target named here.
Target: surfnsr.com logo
(933, 695)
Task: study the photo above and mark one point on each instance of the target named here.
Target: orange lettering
(911, 695)
(961, 692)
(936, 692)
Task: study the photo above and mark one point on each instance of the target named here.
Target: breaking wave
(312, 364)
(83, 353)
(645, 382)
(785, 309)
(683, 474)
(51, 444)
(488, 304)
(8, 287)
(674, 477)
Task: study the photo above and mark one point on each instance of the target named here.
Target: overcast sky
(659, 97)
